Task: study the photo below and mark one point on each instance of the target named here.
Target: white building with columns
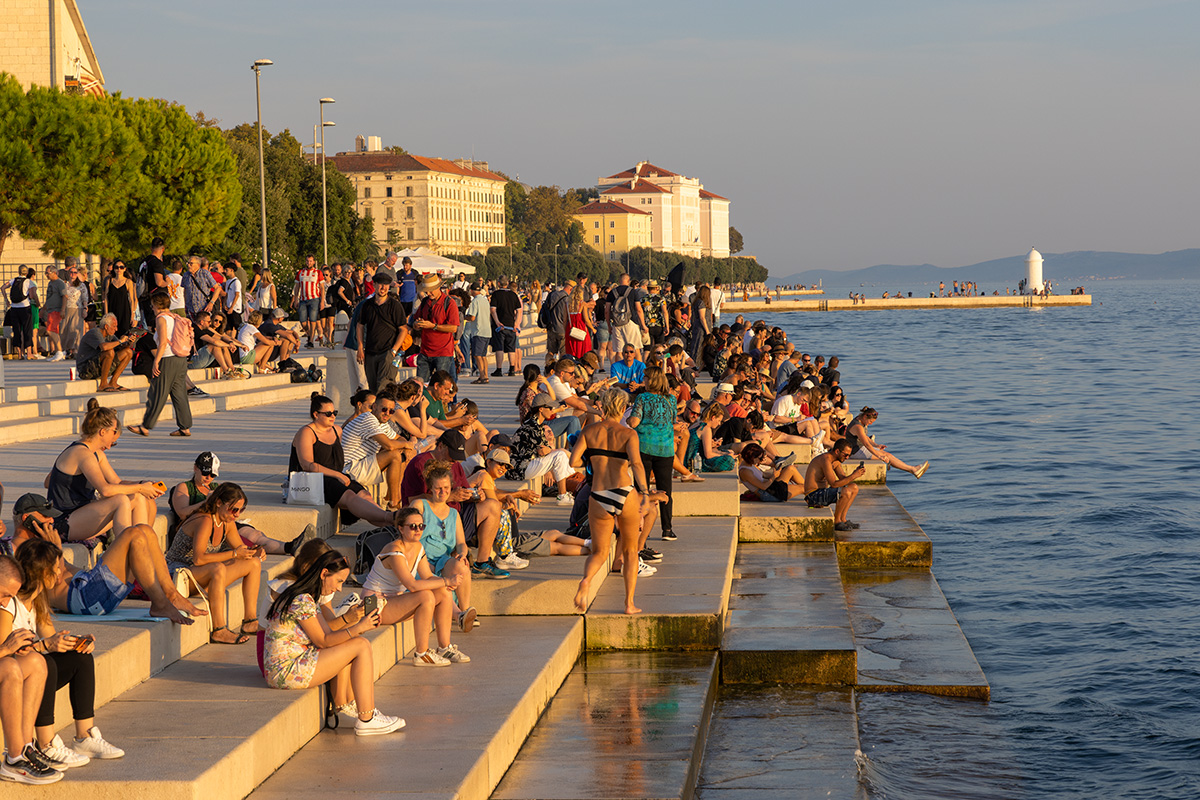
(686, 218)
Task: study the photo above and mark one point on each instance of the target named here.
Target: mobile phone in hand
(81, 642)
(370, 605)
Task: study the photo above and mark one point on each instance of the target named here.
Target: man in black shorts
(102, 355)
(506, 327)
(825, 485)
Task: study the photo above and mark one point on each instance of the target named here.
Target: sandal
(691, 477)
(241, 638)
(246, 622)
(181, 432)
(138, 429)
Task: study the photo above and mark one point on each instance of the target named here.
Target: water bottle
(696, 464)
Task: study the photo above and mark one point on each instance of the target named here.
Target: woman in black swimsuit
(82, 471)
(317, 447)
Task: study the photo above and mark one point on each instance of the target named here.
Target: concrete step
(907, 638)
(782, 743)
(788, 621)
(889, 537)
(683, 605)
(28, 429)
(623, 725)
(465, 726)
(792, 521)
(719, 495)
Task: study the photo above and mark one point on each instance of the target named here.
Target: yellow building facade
(447, 206)
(614, 228)
(686, 218)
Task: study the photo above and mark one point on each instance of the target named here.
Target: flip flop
(180, 432)
(242, 638)
(138, 429)
(691, 478)
(110, 389)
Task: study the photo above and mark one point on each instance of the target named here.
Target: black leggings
(22, 327)
(77, 670)
(660, 467)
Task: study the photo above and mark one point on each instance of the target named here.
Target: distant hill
(1062, 268)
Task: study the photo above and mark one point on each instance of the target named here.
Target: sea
(1064, 508)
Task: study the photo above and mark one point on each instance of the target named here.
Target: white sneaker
(430, 658)
(59, 356)
(350, 710)
(512, 561)
(452, 654)
(378, 724)
(25, 771)
(62, 757)
(565, 499)
(347, 604)
(645, 569)
(95, 746)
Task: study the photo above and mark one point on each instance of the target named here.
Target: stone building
(447, 206)
(45, 43)
(685, 218)
(614, 228)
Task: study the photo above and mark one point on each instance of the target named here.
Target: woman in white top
(168, 376)
(20, 313)
(69, 661)
(402, 576)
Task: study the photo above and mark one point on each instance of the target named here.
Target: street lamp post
(262, 175)
(539, 255)
(556, 265)
(324, 204)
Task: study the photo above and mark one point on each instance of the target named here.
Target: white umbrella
(426, 261)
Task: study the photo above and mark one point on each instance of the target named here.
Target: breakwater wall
(900, 303)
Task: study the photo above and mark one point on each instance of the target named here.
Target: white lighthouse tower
(1033, 272)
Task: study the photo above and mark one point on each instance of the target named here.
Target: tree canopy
(736, 244)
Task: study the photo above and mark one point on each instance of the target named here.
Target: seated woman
(533, 452)
(475, 432)
(444, 543)
(69, 661)
(317, 447)
(771, 484)
(534, 385)
(865, 447)
(412, 418)
(211, 346)
(619, 494)
(302, 650)
(402, 576)
(361, 401)
(188, 497)
(702, 445)
(83, 485)
(207, 544)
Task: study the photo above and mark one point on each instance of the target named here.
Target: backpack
(622, 310)
(183, 340)
(368, 545)
(17, 293)
(140, 282)
(545, 316)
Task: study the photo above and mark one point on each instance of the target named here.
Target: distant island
(1065, 269)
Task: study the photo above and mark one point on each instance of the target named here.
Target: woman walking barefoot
(618, 499)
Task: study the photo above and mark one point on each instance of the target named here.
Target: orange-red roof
(712, 196)
(645, 170)
(393, 162)
(635, 187)
(609, 207)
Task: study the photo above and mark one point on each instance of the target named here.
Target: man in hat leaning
(437, 322)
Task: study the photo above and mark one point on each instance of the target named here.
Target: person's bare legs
(455, 567)
(94, 518)
(355, 653)
(215, 578)
(391, 464)
(251, 573)
(632, 541)
(33, 670)
(893, 461)
(221, 355)
(563, 544)
(12, 704)
(135, 555)
(845, 500)
(124, 356)
(106, 361)
(365, 508)
(256, 538)
(601, 525)
(142, 510)
(420, 606)
(487, 524)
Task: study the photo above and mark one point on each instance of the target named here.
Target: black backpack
(622, 311)
(17, 293)
(368, 545)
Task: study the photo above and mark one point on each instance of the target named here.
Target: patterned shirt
(654, 309)
(308, 283)
(530, 437)
(656, 423)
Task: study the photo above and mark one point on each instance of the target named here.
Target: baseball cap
(499, 456)
(383, 277)
(501, 440)
(455, 443)
(279, 313)
(208, 462)
(28, 503)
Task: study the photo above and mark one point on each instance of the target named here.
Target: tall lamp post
(324, 205)
(556, 265)
(539, 255)
(262, 175)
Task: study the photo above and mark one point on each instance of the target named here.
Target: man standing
(151, 275)
(825, 485)
(199, 288)
(233, 298)
(479, 323)
(389, 265)
(506, 327)
(717, 298)
(53, 307)
(103, 356)
(306, 296)
(437, 320)
(554, 317)
(625, 318)
(407, 278)
(381, 327)
(654, 310)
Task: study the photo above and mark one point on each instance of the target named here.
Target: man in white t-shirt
(233, 299)
(253, 346)
(374, 451)
(177, 304)
(718, 300)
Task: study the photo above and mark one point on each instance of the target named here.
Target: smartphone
(81, 642)
(862, 465)
(162, 487)
(370, 604)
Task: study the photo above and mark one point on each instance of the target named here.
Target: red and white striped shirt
(308, 283)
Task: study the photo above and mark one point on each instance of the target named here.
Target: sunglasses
(328, 413)
(208, 473)
(420, 526)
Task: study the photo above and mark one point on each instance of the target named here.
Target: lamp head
(261, 62)
(328, 123)
(327, 100)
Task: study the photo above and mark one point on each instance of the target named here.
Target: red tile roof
(635, 187)
(712, 196)
(392, 162)
(646, 169)
(609, 207)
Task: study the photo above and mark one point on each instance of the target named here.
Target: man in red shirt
(308, 296)
(437, 320)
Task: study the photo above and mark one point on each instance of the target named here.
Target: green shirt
(437, 409)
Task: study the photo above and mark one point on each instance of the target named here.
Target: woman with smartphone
(69, 661)
(402, 578)
(443, 540)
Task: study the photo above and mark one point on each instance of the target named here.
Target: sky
(845, 134)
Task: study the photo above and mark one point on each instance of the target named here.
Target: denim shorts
(820, 498)
(96, 592)
(202, 359)
(309, 310)
(479, 345)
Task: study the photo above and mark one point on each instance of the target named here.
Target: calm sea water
(1064, 511)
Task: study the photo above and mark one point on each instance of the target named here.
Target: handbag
(305, 489)
(185, 581)
(578, 334)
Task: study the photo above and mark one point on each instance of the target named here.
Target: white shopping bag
(306, 489)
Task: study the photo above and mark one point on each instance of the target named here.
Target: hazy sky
(845, 134)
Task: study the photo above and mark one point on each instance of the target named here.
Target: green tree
(187, 190)
(66, 162)
(736, 245)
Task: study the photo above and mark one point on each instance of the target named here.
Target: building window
(410, 234)
(408, 213)
(388, 191)
(408, 191)
(595, 240)
(596, 224)
(612, 223)
(367, 192)
(612, 255)
(611, 239)
(387, 177)
(389, 212)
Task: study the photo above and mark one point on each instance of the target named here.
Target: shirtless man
(824, 484)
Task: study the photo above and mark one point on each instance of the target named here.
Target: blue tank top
(441, 535)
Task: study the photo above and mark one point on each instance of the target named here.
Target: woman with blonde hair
(619, 497)
(580, 325)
